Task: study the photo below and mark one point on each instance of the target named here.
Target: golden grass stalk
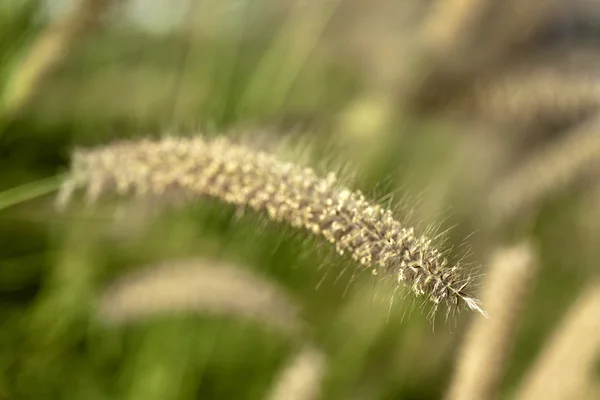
(566, 367)
(47, 52)
(486, 29)
(194, 167)
(481, 360)
(199, 286)
(450, 22)
(301, 378)
(553, 168)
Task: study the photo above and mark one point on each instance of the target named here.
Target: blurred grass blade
(29, 191)
(291, 50)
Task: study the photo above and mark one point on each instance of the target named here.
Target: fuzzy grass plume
(564, 162)
(301, 378)
(533, 94)
(482, 359)
(471, 35)
(566, 368)
(201, 286)
(193, 167)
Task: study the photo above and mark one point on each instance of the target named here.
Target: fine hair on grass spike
(191, 167)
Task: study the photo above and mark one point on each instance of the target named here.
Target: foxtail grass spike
(532, 94)
(199, 286)
(192, 167)
(564, 162)
(566, 367)
(482, 359)
(302, 377)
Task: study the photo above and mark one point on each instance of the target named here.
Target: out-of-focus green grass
(121, 83)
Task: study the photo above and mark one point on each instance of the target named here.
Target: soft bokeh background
(335, 80)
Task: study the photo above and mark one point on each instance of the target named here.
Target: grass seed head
(192, 167)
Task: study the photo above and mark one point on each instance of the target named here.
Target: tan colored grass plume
(198, 286)
(483, 355)
(566, 367)
(551, 169)
(301, 378)
(192, 167)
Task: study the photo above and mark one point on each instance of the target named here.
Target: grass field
(472, 120)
